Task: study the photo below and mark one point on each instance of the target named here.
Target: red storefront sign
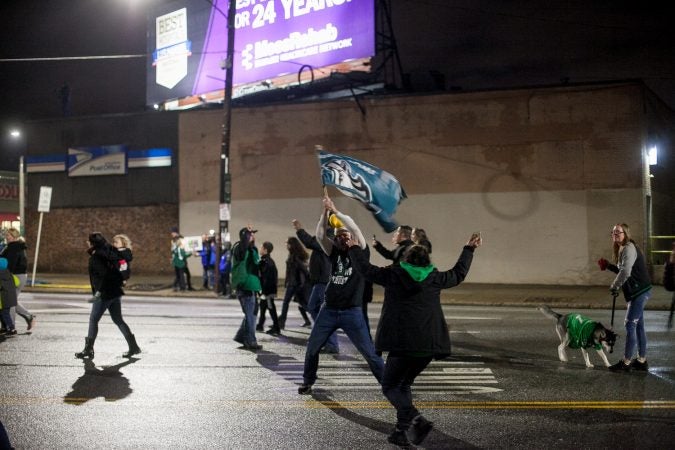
(9, 191)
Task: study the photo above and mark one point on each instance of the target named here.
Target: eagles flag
(375, 188)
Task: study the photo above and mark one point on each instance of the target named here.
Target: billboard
(187, 41)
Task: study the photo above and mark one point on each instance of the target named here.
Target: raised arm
(324, 242)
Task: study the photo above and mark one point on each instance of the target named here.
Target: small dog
(577, 331)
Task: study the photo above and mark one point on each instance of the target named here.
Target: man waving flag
(376, 189)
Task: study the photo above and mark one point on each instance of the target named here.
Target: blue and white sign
(94, 161)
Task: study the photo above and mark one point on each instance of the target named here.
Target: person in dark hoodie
(17, 264)
(107, 280)
(412, 327)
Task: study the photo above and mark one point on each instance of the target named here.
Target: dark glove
(602, 262)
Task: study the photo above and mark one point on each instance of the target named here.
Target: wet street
(194, 387)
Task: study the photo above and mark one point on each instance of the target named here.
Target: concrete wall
(543, 173)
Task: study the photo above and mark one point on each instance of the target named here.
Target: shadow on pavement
(436, 438)
(107, 382)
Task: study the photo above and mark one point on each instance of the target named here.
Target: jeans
(314, 306)
(635, 326)
(7, 321)
(246, 333)
(288, 296)
(19, 309)
(114, 306)
(399, 374)
(352, 323)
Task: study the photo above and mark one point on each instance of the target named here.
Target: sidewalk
(571, 297)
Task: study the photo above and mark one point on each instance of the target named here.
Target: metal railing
(655, 251)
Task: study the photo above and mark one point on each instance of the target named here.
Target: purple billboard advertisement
(187, 41)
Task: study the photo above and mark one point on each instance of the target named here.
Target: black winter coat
(412, 319)
(15, 252)
(7, 290)
(319, 263)
(102, 276)
(269, 276)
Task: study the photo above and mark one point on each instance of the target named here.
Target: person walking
(107, 280)
(412, 327)
(319, 274)
(269, 279)
(296, 281)
(245, 280)
(343, 300)
(17, 264)
(632, 277)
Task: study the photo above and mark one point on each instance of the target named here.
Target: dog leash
(614, 296)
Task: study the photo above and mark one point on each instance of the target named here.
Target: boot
(134, 349)
(88, 351)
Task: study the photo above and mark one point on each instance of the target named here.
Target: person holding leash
(412, 327)
(633, 279)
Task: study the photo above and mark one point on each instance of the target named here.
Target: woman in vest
(633, 279)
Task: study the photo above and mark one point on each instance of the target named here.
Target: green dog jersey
(580, 330)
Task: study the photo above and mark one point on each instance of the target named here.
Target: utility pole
(225, 199)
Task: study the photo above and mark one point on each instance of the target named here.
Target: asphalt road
(193, 387)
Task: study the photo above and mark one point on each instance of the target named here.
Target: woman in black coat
(106, 280)
(412, 327)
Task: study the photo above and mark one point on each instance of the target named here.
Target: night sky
(475, 44)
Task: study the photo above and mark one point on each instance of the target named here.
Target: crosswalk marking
(440, 377)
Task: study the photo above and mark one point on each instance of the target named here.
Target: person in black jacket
(402, 239)
(296, 281)
(17, 261)
(269, 279)
(106, 279)
(412, 327)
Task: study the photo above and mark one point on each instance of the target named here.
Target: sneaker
(259, 328)
(307, 325)
(420, 429)
(273, 331)
(305, 389)
(637, 365)
(398, 437)
(10, 333)
(619, 367)
(255, 346)
(330, 351)
(31, 323)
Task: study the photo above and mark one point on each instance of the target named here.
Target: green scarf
(417, 273)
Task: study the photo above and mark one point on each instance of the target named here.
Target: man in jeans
(343, 300)
(246, 281)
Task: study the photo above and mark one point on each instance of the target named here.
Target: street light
(16, 135)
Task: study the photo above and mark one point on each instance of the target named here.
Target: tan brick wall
(65, 231)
